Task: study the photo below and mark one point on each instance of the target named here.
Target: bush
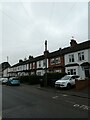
(52, 77)
(33, 79)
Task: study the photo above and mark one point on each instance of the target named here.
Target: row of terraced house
(74, 59)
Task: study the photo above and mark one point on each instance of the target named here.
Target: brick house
(74, 59)
(56, 61)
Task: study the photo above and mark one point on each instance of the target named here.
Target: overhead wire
(68, 13)
(10, 17)
(50, 20)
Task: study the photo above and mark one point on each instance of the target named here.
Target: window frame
(81, 56)
(71, 58)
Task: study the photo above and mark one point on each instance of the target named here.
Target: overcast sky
(26, 25)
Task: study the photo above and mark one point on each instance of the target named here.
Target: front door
(87, 73)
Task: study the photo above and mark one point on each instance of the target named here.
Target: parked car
(13, 82)
(3, 80)
(12, 78)
(66, 82)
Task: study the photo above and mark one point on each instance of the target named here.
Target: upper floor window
(71, 58)
(39, 63)
(52, 61)
(34, 65)
(30, 65)
(81, 56)
(55, 60)
(24, 67)
(44, 62)
(27, 66)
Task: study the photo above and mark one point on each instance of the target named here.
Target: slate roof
(78, 47)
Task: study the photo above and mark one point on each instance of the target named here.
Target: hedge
(52, 77)
(32, 79)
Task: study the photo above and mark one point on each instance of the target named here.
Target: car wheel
(68, 86)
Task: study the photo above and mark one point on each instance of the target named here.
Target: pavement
(84, 93)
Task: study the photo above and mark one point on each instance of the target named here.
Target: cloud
(27, 25)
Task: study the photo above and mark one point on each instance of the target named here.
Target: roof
(85, 64)
(78, 47)
(41, 57)
(60, 52)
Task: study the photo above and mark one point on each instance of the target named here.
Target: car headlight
(57, 83)
(63, 83)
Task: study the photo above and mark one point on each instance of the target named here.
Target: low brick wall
(81, 84)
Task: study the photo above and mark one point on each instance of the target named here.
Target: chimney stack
(73, 42)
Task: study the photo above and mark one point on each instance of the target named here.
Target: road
(28, 101)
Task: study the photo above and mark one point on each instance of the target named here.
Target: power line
(68, 13)
(12, 19)
(65, 16)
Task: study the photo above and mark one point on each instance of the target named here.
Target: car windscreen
(65, 78)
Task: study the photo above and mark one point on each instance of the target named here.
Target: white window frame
(44, 63)
(69, 71)
(71, 58)
(53, 61)
(33, 65)
(58, 60)
(39, 64)
(81, 56)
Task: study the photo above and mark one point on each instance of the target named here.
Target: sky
(25, 25)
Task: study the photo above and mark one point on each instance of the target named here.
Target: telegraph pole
(45, 53)
(7, 67)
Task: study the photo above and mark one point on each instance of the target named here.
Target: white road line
(55, 97)
(76, 105)
(65, 95)
(84, 107)
(70, 102)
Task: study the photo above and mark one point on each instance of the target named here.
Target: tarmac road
(27, 101)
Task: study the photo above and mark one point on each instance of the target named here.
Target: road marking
(65, 95)
(84, 107)
(55, 97)
(76, 105)
(70, 102)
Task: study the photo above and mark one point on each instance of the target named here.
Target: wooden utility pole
(7, 67)
(45, 62)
